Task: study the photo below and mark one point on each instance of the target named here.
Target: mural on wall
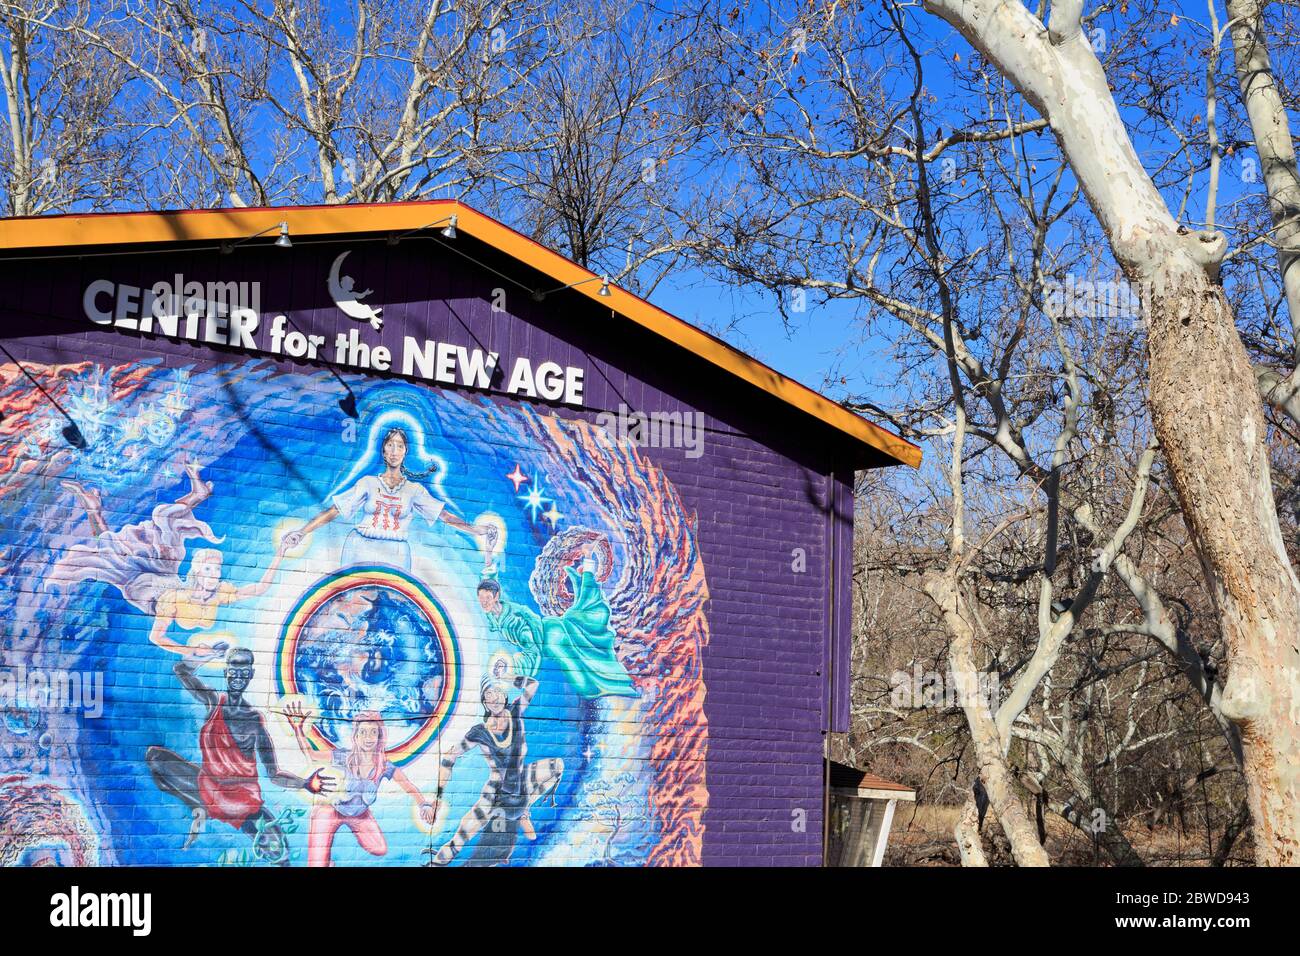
(451, 631)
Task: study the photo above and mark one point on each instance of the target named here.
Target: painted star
(553, 515)
(518, 477)
(533, 501)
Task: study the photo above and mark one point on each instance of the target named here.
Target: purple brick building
(383, 535)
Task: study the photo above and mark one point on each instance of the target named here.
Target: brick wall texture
(276, 611)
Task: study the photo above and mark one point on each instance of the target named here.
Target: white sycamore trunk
(1276, 152)
(1203, 394)
(988, 746)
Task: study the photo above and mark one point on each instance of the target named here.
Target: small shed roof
(863, 784)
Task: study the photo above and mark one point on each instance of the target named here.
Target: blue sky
(808, 351)
(825, 344)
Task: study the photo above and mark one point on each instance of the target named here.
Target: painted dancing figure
(513, 786)
(364, 767)
(580, 640)
(233, 740)
(142, 561)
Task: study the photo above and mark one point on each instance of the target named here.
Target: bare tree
(618, 139)
(1097, 530)
(1202, 389)
(951, 220)
(66, 142)
(288, 100)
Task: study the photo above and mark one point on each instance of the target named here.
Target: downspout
(831, 565)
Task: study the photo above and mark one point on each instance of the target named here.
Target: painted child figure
(363, 768)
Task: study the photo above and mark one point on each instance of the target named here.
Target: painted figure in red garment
(232, 742)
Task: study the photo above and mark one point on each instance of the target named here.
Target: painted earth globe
(371, 641)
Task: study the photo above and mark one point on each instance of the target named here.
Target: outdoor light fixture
(281, 242)
(447, 232)
(540, 296)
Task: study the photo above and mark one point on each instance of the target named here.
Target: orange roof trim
(142, 228)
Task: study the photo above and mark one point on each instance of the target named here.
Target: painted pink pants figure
(364, 768)
(324, 823)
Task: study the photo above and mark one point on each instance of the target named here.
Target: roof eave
(214, 225)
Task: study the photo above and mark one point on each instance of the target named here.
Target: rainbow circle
(369, 576)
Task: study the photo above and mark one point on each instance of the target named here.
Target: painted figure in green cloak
(579, 640)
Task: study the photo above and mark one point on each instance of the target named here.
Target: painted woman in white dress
(382, 508)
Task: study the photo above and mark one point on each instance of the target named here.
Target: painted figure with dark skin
(232, 742)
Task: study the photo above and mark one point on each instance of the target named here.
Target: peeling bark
(1203, 396)
(967, 834)
(999, 782)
